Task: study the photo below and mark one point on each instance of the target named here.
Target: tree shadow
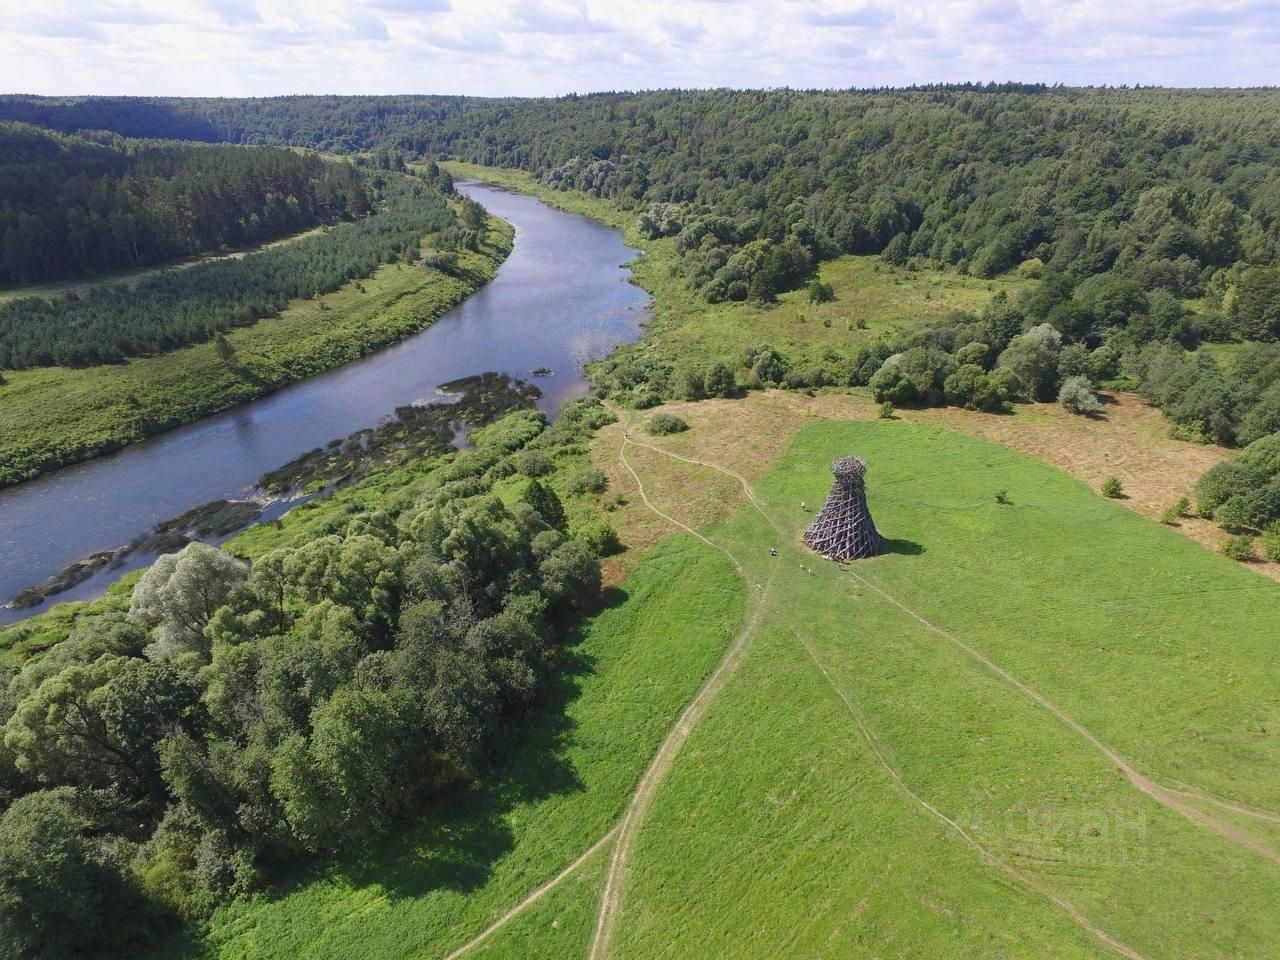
(453, 841)
(907, 548)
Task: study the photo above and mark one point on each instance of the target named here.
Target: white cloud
(531, 47)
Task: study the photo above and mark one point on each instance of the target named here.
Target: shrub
(1239, 548)
(1234, 514)
(1224, 480)
(533, 463)
(890, 385)
(1033, 356)
(1271, 542)
(820, 291)
(1007, 384)
(1002, 497)
(1031, 269)
(719, 381)
(601, 537)
(661, 424)
(1073, 361)
(1112, 488)
(1263, 454)
(1077, 396)
(1175, 511)
(687, 384)
(586, 480)
(974, 352)
(971, 388)
(886, 410)
(1262, 506)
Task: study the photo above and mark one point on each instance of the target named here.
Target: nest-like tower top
(844, 529)
(849, 468)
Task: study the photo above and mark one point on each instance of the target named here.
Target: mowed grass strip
(564, 786)
(781, 832)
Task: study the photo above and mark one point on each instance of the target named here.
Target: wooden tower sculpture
(844, 529)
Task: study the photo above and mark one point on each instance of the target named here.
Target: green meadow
(864, 784)
(819, 808)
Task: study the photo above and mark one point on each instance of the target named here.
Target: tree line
(244, 716)
(1171, 188)
(175, 308)
(71, 206)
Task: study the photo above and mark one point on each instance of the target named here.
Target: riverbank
(57, 416)
(558, 301)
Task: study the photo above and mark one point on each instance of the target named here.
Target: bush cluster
(241, 716)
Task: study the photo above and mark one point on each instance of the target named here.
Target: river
(560, 299)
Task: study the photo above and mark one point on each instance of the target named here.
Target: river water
(561, 298)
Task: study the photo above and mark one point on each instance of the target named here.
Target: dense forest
(77, 205)
(239, 717)
(1169, 186)
(175, 308)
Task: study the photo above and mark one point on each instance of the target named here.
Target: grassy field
(54, 416)
(805, 816)
(443, 881)
(871, 297)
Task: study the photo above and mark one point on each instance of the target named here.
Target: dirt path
(532, 898)
(1173, 799)
(131, 278)
(642, 799)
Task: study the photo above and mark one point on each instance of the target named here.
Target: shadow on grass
(453, 842)
(907, 548)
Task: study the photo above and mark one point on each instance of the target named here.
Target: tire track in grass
(1168, 797)
(1165, 796)
(642, 799)
(1078, 918)
(533, 898)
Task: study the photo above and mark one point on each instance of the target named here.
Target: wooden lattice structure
(844, 530)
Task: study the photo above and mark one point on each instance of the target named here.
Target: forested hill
(76, 205)
(1170, 186)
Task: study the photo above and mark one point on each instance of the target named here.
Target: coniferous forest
(172, 309)
(71, 206)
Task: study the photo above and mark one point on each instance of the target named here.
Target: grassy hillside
(783, 828)
(55, 415)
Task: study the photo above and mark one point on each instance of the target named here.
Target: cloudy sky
(537, 47)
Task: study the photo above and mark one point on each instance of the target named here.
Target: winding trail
(1171, 799)
(642, 799)
(533, 898)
